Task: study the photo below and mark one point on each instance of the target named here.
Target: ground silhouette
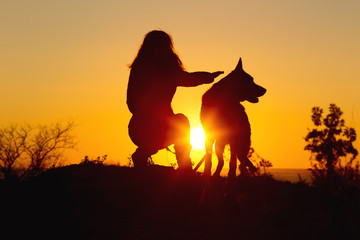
(93, 201)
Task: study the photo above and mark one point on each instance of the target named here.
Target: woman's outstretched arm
(193, 79)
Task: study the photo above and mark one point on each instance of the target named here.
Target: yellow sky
(64, 60)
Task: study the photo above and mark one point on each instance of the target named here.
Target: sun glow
(197, 138)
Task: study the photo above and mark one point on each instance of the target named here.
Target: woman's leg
(140, 158)
(153, 135)
(179, 134)
(145, 134)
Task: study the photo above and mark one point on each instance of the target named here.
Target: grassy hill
(107, 202)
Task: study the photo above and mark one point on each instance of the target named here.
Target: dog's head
(244, 87)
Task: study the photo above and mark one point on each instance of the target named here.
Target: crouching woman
(155, 74)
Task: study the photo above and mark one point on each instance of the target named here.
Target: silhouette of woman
(155, 74)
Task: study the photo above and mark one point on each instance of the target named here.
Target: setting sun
(197, 138)
(77, 68)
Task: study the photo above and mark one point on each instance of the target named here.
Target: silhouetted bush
(26, 151)
(332, 152)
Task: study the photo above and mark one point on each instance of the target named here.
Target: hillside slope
(109, 202)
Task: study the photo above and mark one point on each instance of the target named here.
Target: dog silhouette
(225, 121)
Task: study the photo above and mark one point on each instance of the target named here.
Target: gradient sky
(67, 60)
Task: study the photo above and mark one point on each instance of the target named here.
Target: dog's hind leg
(244, 163)
(243, 147)
(233, 162)
(219, 150)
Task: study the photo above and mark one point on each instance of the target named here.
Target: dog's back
(218, 113)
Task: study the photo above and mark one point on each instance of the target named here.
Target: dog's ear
(239, 65)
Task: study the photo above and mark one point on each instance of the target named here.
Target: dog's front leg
(208, 147)
(219, 150)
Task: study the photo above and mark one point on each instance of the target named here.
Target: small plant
(130, 162)
(98, 160)
(265, 164)
(175, 165)
(260, 163)
(150, 161)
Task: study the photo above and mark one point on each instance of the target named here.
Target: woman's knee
(181, 126)
(182, 120)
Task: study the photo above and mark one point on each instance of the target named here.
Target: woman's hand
(197, 78)
(216, 74)
(213, 75)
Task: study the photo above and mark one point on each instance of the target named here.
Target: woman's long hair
(153, 40)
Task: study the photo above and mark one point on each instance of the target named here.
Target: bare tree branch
(47, 145)
(12, 142)
(35, 148)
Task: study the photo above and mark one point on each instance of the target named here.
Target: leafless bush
(25, 150)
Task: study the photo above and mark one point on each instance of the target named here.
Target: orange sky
(67, 60)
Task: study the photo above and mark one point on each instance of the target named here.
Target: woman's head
(157, 47)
